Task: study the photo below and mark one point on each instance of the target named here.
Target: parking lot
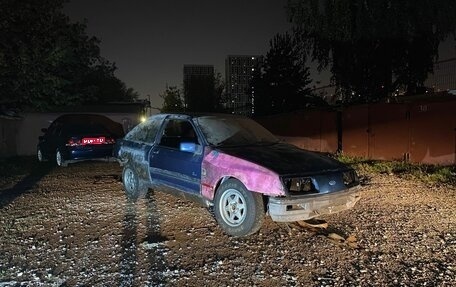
(74, 227)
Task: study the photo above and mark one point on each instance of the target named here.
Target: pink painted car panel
(218, 165)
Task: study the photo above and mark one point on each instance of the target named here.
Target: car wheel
(40, 156)
(238, 211)
(59, 159)
(132, 183)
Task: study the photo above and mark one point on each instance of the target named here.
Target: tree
(282, 84)
(373, 47)
(104, 86)
(172, 100)
(219, 93)
(47, 61)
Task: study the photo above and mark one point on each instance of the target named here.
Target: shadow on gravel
(36, 173)
(153, 244)
(128, 245)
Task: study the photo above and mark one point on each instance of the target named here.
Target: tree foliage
(47, 61)
(219, 93)
(282, 84)
(373, 47)
(172, 100)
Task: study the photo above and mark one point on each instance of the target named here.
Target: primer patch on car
(256, 178)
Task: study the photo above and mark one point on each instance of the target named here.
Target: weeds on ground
(431, 174)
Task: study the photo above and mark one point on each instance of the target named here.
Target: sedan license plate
(99, 140)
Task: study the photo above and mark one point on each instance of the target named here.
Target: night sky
(150, 41)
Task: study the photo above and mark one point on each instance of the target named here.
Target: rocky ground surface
(74, 227)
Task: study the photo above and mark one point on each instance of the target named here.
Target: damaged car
(235, 167)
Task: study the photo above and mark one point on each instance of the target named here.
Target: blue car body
(232, 164)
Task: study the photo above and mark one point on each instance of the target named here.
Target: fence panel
(389, 131)
(432, 138)
(355, 131)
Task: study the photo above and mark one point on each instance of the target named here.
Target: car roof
(197, 115)
(72, 117)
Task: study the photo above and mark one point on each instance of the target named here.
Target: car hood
(285, 159)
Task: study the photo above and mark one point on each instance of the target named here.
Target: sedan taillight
(73, 142)
(110, 140)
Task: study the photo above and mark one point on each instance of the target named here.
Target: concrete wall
(8, 134)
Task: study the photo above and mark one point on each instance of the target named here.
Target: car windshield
(234, 131)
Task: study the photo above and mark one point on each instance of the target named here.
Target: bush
(426, 173)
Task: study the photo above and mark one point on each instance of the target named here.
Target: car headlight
(300, 184)
(350, 178)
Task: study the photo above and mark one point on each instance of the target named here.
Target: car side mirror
(187, 147)
(191, 147)
(44, 130)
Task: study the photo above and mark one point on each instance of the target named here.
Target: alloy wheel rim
(129, 180)
(233, 207)
(59, 158)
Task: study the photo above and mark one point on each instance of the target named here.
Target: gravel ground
(74, 227)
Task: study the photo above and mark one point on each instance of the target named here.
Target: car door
(172, 162)
(136, 145)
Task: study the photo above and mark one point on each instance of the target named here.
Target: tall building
(444, 76)
(239, 71)
(199, 88)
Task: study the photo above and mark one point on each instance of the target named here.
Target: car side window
(177, 132)
(57, 129)
(51, 130)
(144, 132)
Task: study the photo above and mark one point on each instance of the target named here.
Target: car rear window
(80, 129)
(91, 123)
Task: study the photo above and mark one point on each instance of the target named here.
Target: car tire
(238, 211)
(40, 156)
(59, 160)
(132, 184)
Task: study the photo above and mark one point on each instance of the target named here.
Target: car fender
(218, 165)
(137, 158)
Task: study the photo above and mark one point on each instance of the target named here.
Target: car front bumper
(288, 209)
